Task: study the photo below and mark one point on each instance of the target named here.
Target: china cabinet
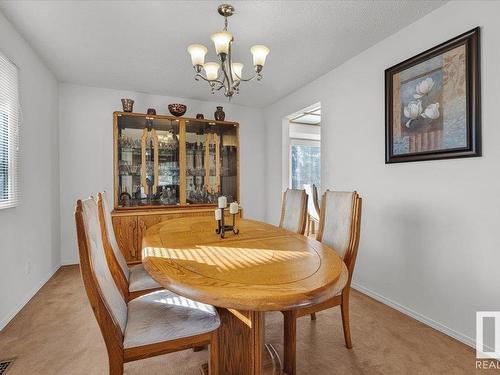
(167, 167)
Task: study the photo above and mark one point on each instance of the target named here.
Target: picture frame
(433, 103)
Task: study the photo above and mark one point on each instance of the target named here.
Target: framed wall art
(432, 103)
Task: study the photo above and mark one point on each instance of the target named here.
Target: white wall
(86, 145)
(429, 243)
(29, 233)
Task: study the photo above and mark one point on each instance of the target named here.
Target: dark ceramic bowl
(177, 109)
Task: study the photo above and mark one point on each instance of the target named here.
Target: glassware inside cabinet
(148, 161)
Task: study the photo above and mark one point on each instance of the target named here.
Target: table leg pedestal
(242, 349)
(241, 342)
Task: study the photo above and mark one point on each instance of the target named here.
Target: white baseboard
(415, 315)
(70, 263)
(5, 320)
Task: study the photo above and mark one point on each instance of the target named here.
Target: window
(305, 162)
(304, 158)
(9, 133)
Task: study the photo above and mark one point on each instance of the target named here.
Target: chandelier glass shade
(231, 73)
(197, 52)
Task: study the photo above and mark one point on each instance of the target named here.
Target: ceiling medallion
(230, 76)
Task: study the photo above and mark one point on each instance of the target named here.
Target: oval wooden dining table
(263, 268)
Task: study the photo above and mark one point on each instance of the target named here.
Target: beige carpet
(56, 333)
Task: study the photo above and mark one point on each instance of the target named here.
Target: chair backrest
(340, 223)
(312, 200)
(116, 262)
(107, 303)
(294, 210)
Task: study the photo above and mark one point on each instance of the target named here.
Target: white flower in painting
(424, 87)
(431, 112)
(412, 111)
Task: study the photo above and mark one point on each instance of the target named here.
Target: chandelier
(230, 76)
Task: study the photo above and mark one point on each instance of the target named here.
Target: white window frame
(299, 142)
(9, 104)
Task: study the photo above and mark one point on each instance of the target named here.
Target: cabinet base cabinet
(130, 227)
(126, 235)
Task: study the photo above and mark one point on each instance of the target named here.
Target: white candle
(218, 214)
(222, 202)
(233, 208)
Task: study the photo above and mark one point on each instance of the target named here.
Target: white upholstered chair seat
(152, 322)
(139, 279)
(164, 316)
(339, 227)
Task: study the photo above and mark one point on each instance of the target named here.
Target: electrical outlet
(28, 267)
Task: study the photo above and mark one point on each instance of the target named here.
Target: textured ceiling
(141, 45)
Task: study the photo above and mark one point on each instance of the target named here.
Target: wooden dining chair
(132, 281)
(339, 228)
(294, 210)
(312, 208)
(153, 324)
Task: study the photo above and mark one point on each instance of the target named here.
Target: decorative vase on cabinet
(219, 115)
(128, 105)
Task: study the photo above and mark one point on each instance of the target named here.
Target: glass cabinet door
(162, 161)
(168, 184)
(211, 168)
(148, 161)
(229, 162)
(201, 185)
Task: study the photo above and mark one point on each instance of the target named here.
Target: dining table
(262, 268)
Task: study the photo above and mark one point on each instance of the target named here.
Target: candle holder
(222, 227)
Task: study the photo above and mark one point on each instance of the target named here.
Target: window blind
(9, 133)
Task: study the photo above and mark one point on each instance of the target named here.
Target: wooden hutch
(167, 167)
